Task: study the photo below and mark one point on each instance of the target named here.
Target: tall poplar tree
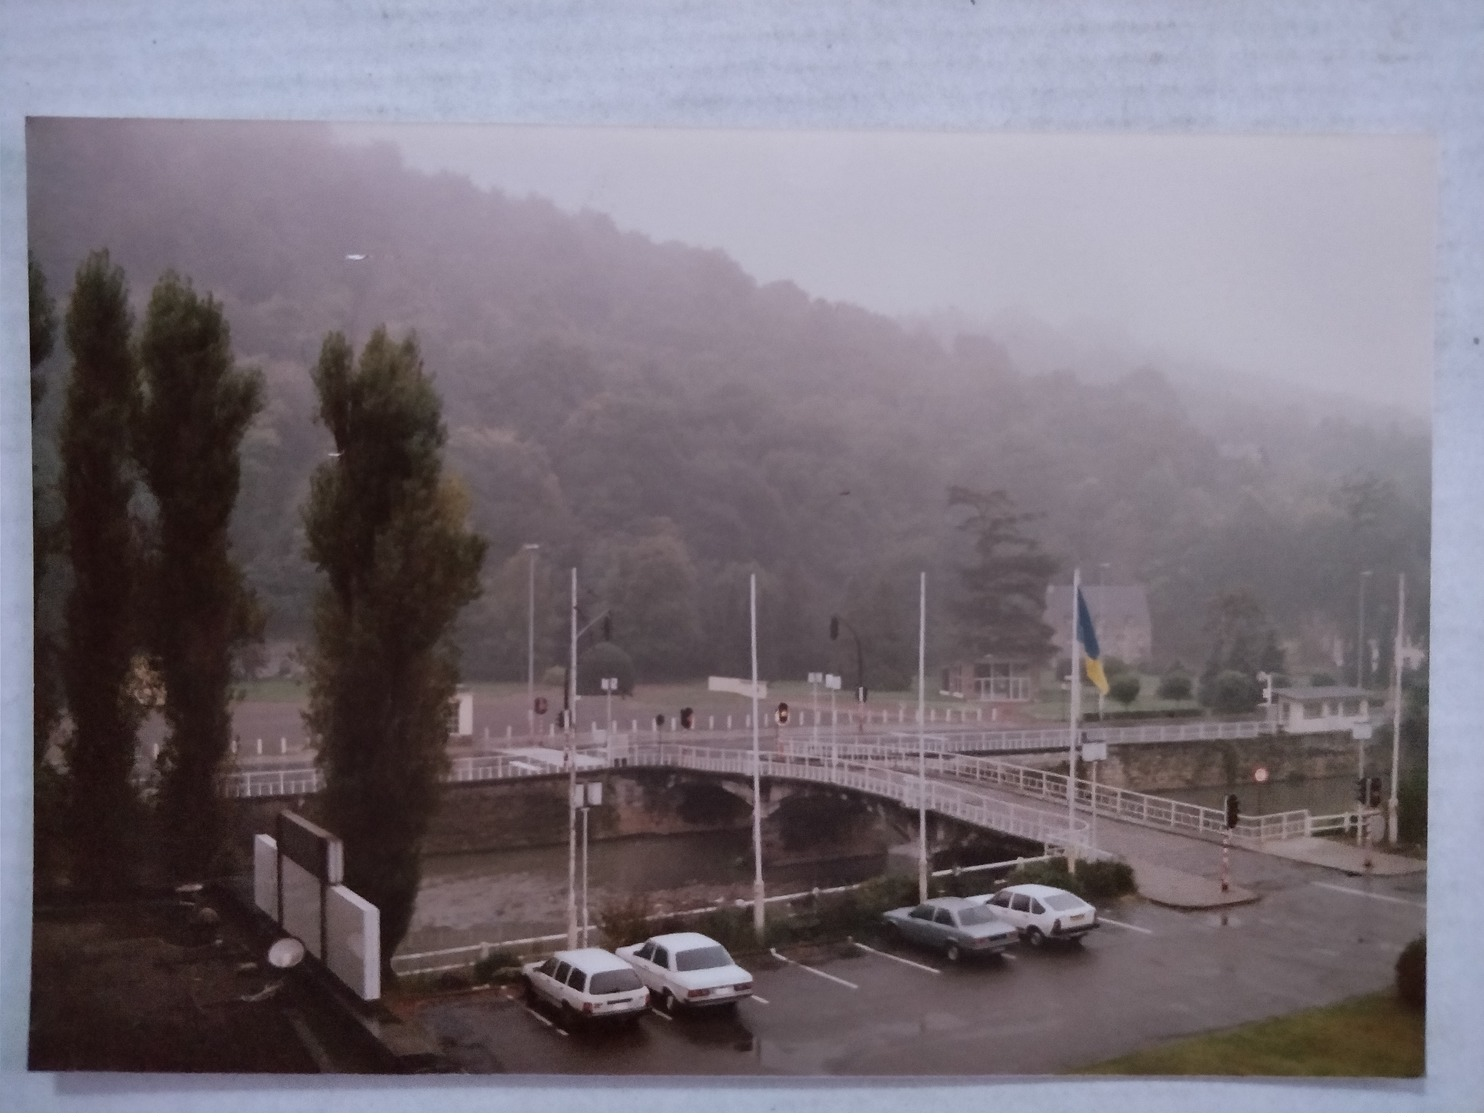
(46, 700)
(197, 408)
(1003, 608)
(99, 624)
(388, 529)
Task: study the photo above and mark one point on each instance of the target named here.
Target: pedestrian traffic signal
(1233, 811)
(783, 713)
(659, 721)
(687, 718)
(1373, 791)
(541, 704)
(1361, 790)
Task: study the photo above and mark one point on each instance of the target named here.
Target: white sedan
(587, 984)
(686, 968)
(1041, 912)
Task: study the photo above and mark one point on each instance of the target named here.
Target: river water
(514, 894)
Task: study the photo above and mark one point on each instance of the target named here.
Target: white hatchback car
(1041, 912)
(686, 968)
(587, 984)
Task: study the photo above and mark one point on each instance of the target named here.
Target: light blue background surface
(1331, 66)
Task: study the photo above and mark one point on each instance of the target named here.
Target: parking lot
(1147, 975)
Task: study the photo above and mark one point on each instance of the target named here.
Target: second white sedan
(1041, 912)
(690, 969)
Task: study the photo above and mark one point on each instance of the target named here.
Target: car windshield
(1061, 901)
(614, 981)
(970, 917)
(702, 958)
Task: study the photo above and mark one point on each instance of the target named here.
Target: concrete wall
(1157, 766)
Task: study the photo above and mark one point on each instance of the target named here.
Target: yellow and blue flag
(1092, 658)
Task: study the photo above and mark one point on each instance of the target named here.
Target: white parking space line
(1126, 926)
(662, 1015)
(758, 999)
(811, 969)
(895, 958)
(539, 1017)
(1368, 895)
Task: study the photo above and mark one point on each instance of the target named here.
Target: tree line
(156, 604)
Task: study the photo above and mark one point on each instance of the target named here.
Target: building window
(1313, 709)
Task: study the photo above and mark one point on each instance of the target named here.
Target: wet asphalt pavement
(1150, 974)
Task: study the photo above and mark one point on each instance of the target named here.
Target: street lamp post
(1360, 652)
(1392, 831)
(531, 548)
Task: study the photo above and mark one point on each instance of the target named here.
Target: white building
(1319, 709)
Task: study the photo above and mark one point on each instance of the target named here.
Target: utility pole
(922, 855)
(1392, 825)
(1075, 705)
(570, 717)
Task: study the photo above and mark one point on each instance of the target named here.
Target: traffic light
(1373, 791)
(659, 721)
(1233, 811)
(1361, 790)
(783, 713)
(541, 703)
(687, 718)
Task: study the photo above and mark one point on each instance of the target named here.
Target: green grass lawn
(1374, 1036)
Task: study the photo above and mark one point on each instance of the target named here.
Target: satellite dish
(285, 954)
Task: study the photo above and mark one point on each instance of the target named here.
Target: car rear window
(702, 958)
(970, 917)
(1062, 901)
(613, 981)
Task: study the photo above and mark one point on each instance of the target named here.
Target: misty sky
(1305, 259)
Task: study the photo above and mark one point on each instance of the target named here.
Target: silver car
(954, 925)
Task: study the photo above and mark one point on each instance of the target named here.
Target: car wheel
(1035, 937)
(951, 951)
(667, 1002)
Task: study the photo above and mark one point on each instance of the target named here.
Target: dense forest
(653, 416)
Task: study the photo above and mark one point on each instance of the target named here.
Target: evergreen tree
(197, 408)
(387, 528)
(1004, 605)
(99, 640)
(46, 700)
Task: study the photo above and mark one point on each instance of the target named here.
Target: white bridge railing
(885, 766)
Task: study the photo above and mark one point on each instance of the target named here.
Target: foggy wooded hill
(650, 414)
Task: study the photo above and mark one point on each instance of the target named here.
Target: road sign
(1261, 775)
(1094, 750)
(832, 682)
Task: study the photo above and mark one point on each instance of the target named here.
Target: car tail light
(587, 1007)
(698, 993)
(743, 987)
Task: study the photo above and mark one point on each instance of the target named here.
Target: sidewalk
(1176, 888)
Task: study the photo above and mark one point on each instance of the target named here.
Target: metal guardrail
(477, 952)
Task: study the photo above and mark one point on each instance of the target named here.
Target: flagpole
(758, 914)
(1076, 717)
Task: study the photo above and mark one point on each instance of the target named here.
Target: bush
(1411, 973)
(1101, 880)
(496, 967)
(1124, 689)
(625, 922)
(1051, 873)
(1175, 687)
